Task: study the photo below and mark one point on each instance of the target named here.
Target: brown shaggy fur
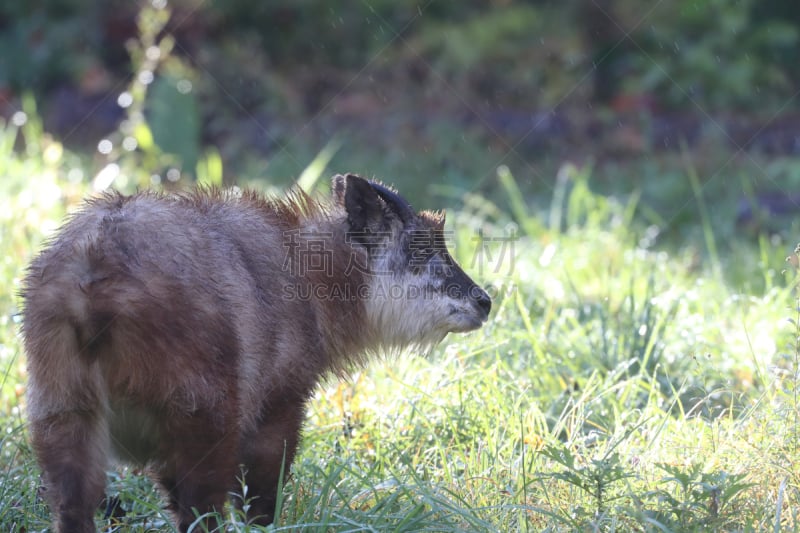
(176, 331)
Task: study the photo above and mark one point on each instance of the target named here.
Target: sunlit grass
(618, 386)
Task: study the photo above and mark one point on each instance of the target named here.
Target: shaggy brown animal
(187, 332)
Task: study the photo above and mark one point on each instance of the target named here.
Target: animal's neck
(336, 279)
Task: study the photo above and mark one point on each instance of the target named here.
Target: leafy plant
(596, 477)
(159, 141)
(699, 498)
(713, 54)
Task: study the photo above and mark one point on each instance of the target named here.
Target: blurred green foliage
(174, 120)
(720, 52)
(716, 54)
(44, 43)
(413, 90)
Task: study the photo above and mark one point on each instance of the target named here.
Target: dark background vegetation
(433, 96)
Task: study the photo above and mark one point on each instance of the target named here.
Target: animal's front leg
(268, 450)
(200, 467)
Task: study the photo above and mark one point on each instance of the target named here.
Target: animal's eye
(419, 258)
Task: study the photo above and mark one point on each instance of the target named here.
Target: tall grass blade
(313, 172)
(779, 506)
(705, 218)
(515, 199)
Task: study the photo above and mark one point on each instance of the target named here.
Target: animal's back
(162, 299)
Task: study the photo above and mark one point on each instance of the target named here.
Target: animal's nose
(483, 301)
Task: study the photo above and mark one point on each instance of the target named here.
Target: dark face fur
(417, 292)
(443, 279)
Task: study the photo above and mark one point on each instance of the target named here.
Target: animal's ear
(434, 218)
(362, 204)
(338, 186)
(439, 219)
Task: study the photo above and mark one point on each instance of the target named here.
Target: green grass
(619, 386)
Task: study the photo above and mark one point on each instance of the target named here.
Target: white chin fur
(403, 316)
(466, 323)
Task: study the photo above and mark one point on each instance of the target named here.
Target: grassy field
(619, 385)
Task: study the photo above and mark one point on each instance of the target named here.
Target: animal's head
(415, 291)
